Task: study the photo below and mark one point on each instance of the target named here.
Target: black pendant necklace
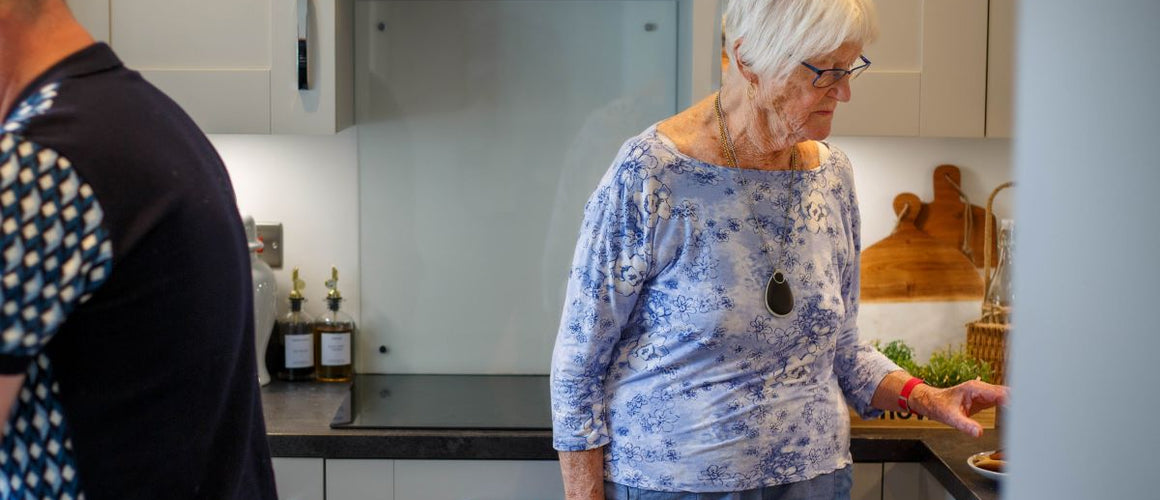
(778, 294)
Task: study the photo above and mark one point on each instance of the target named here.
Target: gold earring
(751, 91)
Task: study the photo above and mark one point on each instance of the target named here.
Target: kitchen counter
(298, 418)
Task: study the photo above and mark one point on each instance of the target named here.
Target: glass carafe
(1000, 293)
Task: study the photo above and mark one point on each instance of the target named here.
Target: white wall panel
(483, 128)
(93, 15)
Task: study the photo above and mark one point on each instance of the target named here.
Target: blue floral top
(666, 352)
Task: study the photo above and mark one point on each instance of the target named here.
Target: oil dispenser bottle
(293, 346)
(334, 337)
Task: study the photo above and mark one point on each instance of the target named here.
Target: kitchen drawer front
(477, 479)
(360, 479)
(299, 478)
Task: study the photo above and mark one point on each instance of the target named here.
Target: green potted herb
(947, 367)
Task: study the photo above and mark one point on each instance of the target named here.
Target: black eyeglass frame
(856, 70)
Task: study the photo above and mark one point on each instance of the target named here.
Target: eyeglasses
(828, 77)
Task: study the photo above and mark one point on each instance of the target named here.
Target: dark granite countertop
(298, 418)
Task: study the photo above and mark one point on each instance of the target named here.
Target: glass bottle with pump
(293, 347)
(334, 335)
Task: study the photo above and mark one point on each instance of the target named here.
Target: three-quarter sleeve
(859, 366)
(612, 260)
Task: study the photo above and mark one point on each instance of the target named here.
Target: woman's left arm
(952, 406)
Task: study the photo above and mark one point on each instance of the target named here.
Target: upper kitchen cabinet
(1000, 67)
(233, 64)
(930, 72)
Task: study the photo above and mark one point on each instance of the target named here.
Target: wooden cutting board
(911, 265)
(943, 218)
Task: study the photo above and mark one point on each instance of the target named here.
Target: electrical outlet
(270, 234)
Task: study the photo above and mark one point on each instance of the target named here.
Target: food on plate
(993, 462)
(989, 464)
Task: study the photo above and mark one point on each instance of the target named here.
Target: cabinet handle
(303, 43)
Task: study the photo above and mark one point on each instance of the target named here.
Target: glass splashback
(483, 126)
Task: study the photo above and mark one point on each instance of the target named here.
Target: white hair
(777, 35)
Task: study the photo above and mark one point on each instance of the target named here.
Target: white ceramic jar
(265, 299)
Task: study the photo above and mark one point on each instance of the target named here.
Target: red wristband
(904, 396)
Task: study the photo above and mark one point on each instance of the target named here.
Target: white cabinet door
(328, 105)
(929, 72)
(211, 56)
(232, 64)
(910, 481)
(867, 482)
(477, 480)
(360, 479)
(299, 478)
(1000, 67)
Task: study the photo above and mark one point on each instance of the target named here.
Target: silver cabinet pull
(303, 43)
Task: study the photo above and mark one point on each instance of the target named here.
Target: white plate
(984, 472)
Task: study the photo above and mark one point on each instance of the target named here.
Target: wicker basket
(988, 342)
(987, 336)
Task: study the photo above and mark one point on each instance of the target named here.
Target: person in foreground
(127, 366)
(708, 346)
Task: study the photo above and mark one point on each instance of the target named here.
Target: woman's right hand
(955, 405)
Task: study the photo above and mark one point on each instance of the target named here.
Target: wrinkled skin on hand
(954, 406)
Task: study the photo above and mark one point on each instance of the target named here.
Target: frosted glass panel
(483, 127)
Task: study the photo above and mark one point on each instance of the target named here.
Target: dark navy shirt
(126, 298)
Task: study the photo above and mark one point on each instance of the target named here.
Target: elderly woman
(709, 340)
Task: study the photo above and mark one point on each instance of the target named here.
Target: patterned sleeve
(859, 366)
(55, 252)
(613, 258)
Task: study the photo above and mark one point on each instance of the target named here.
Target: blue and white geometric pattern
(37, 459)
(666, 354)
(54, 254)
(36, 104)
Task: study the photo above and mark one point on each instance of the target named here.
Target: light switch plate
(270, 234)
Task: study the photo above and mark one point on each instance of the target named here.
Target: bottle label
(335, 349)
(299, 351)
